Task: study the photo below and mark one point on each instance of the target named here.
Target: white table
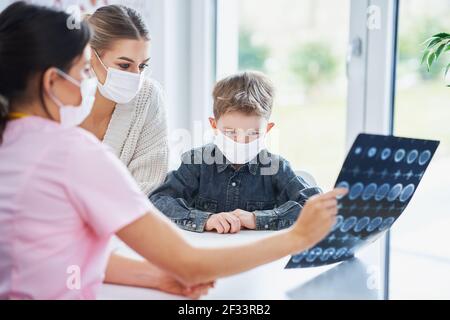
(348, 280)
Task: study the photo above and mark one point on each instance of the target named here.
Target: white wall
(182, 60)
(182, 47)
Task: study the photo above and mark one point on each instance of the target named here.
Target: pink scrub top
(63, 194)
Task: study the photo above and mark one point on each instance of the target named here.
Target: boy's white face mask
(239, 153)
(120, 86)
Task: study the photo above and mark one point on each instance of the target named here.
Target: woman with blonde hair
(128, 114)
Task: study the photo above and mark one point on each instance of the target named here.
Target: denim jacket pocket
(207, 205)
(260, 205)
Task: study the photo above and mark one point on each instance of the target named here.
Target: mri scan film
(382, 174)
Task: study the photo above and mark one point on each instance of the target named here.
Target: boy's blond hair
(248, 92)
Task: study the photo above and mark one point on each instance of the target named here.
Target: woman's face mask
(72, 116)
(120, 86)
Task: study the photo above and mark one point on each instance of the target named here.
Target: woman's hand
(167, 283)
(225, 222)
(317, 218)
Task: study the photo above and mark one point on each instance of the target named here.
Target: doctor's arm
(155, 238)
(141, 273)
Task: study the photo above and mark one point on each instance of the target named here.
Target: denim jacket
(206, 183)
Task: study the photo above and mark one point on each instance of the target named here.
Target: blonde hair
(114, 22)
(248, 92)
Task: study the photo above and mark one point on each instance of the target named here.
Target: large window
(302, 46)
(420, 251)
(327, 90)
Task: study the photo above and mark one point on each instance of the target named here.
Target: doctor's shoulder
(76, 140)
(72, 147)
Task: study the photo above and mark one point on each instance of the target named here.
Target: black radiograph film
(382, 174)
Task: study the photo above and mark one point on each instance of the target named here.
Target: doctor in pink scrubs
(63, 194)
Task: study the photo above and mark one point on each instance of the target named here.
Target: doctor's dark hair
(115, 22)
(33, 39)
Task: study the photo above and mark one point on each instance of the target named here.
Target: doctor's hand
(317, 218)
(169, 284)
(137, 273)
(225, 222)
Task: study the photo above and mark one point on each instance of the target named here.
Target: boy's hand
(248, 219)
(225, 222)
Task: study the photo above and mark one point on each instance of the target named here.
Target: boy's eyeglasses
(235, 133)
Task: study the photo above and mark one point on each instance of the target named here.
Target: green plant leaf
(434, 42)
(435, 39)
(430, 60)
(425, 56)
(425, 43)
(441, 35)
(439, 50)
(434, 48)
(428, 40)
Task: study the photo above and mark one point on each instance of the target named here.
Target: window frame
(371, 78)
(196, 44)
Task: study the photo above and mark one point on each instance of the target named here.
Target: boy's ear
(270, 126)
(213, 123)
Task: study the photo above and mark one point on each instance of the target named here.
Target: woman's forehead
(136, 50)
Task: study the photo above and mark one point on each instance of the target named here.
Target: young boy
(235, 183)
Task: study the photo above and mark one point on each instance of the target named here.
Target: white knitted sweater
(137, 134)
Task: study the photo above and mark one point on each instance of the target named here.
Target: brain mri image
(382, 174)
